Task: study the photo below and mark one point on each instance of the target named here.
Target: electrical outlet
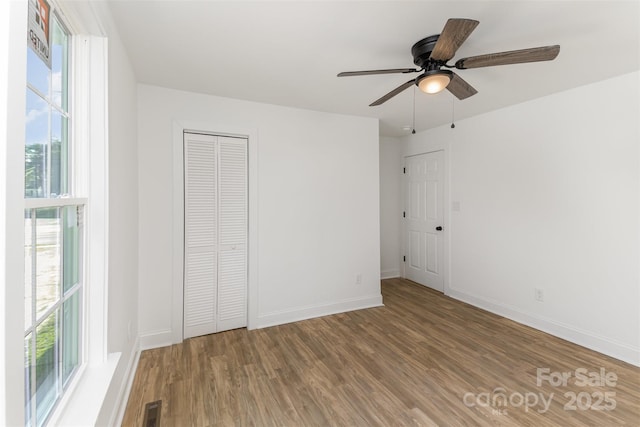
(539, 295)
(359, 279)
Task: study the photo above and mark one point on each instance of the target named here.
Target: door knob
(438, 228)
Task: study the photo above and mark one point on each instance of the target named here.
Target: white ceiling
(288, 53)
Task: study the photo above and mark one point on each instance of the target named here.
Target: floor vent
(152, 412)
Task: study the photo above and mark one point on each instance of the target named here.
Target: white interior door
(232, 220)
(200, 235)
(424, 219)
(215, 266)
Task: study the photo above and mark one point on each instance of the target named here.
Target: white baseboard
(620, 351)
(309, 312)
(164, 338)
(389, 274)
(125, 387)
(156, 339)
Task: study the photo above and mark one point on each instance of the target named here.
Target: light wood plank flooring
(422, 360)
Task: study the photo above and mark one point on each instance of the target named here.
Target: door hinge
(404, 170)
(404, 259)
(404, 214)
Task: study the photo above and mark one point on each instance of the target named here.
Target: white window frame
(82, 400)
(73, 186)
(86, 392)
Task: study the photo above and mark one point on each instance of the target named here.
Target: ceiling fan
(432, 53)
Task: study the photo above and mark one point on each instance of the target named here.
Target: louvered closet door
(215, 277)
(232, 219)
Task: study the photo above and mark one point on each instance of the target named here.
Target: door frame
(177, 279)
(411, 151)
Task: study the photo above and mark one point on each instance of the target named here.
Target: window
(53, 232)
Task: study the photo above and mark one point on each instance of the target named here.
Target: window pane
(37, 140)
(59, 66)
(71, 246)
(28, 389)
(28, 266)
(47, 258)
(70, 336)
(37, 72)
(46, 363)
(53, 236)
(59, 154)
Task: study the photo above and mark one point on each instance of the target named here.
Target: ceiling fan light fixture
(434, 81)
(434, 52)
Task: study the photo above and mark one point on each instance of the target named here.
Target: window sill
(83, 400)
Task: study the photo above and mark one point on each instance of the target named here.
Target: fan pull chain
(414, 110)
(453, 113)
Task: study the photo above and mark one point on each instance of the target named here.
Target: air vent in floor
(152, 412)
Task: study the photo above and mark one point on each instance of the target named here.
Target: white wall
(123, 200)
(549, 198)
(318, 207)
(390, 206)
(122, 323)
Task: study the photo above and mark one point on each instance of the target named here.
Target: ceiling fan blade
(368, 72)
(393, 93)
(454, 33)
(460, 88)
(534, 54)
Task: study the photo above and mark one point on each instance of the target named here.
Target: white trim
(67, 396)
(82, 406)
(156, 339)
(575, 335)
(80, 17)
(390, 273)
(179, 126)
(93, 99)
(54, 203)
(4, 166)
(13, 75)
(125, 386)
(313, 311)
(177, 243)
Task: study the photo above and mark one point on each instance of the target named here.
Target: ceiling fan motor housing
(421, 52)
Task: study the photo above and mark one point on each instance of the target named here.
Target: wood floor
(423, 359)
